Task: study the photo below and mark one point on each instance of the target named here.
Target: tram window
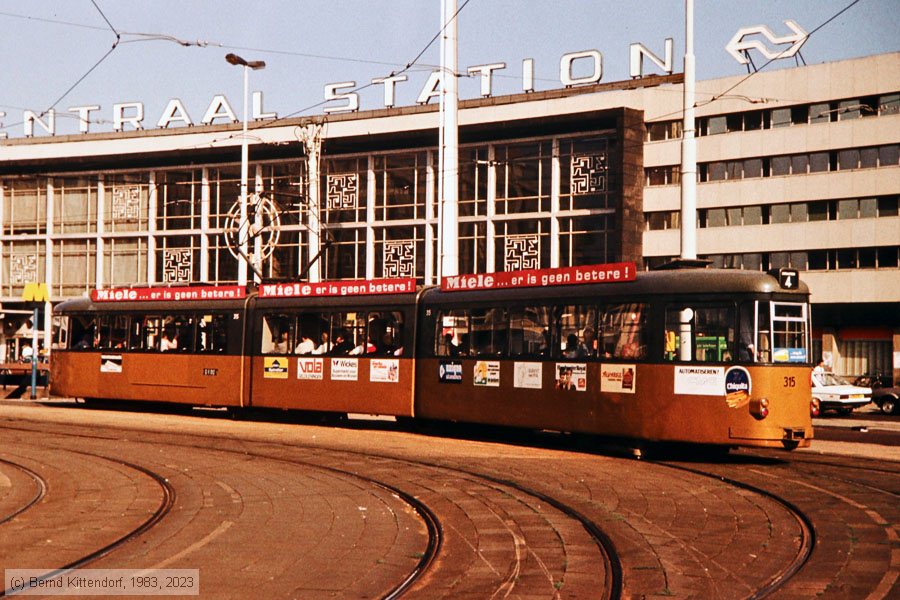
(576, 328)
(113, 330)
(60, 332)
(212, 333)
(83, 329)
(309, 330)
(529, 331)
(276, 334)
(452, 335)
(349, 333)
(763, 339)
(150, 333)
(707, 330)
(789, 336)
(746, 348)
(386, 333)
(170, 333)
(490, 331)
(183, 326)
(623, 330)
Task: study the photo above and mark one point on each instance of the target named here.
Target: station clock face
(263, 223)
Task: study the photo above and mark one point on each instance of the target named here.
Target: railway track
(805, 525)
(40, 485)
(166, 503)
(489, 496)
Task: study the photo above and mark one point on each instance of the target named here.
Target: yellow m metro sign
(36, 292)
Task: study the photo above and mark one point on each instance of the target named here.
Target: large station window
(25, 208)
(345, 190)
(523, 178)
(75, 205)
(224, 193)
(345, 254)
(126, 202)
(125, 261)
(178, 201)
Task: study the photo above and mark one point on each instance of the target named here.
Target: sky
(66, 53)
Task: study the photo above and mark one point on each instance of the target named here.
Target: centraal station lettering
(342, 95)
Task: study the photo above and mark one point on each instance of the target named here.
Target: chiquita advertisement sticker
(738, 387)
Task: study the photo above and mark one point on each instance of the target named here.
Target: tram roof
(692, 282)
(647, 283)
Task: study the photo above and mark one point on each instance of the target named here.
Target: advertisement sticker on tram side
(620, 379)
(529, 375)
(310, 368)
(450, 371)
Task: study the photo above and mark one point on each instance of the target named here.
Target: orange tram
(701, 355)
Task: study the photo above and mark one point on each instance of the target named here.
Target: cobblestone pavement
(274, 509)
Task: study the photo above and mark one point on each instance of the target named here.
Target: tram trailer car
(699, 356)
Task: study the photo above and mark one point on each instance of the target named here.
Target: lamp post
(243, 228)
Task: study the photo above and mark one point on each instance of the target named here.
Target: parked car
(831, 392)
(886, 399)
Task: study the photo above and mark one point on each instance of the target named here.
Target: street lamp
(234, 59)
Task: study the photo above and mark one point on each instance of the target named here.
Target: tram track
(612, 582)
(40, 492)
(429, 519)
(805, 524)
(741, 472)
(165, 506)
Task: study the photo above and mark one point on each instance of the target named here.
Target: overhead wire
(145, 37)
(90, 70)
(275, 122)
(408, 66)
(781, 54)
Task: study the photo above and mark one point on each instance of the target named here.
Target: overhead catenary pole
(449, 177)
(244, 225)
(688, 175)
(689, 144)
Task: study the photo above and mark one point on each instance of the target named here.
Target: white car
(830, 392)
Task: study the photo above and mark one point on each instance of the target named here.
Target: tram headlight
(759, 408)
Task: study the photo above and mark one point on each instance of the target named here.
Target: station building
(798, 167)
